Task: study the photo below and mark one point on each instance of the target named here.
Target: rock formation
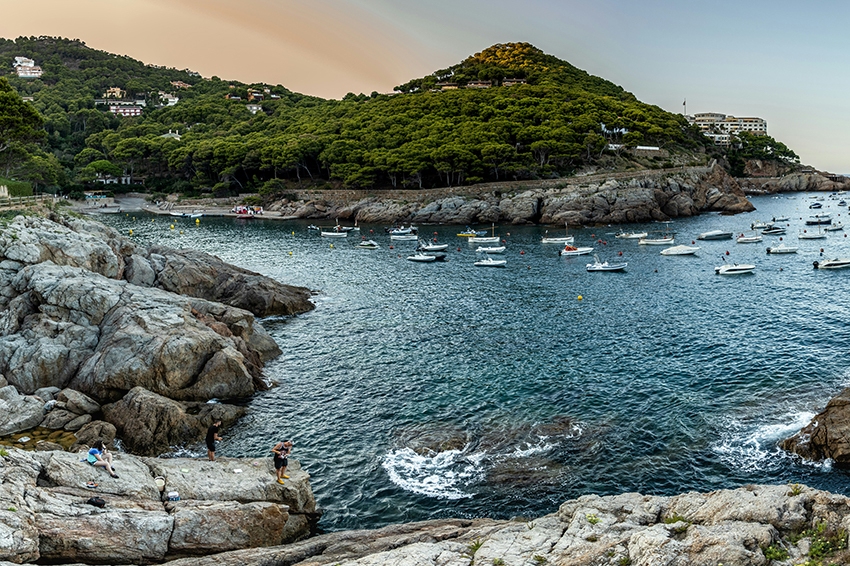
(86, 311)
(597, 199)
(827, 435)
(224, 505)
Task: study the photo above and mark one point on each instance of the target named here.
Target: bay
(662, 379)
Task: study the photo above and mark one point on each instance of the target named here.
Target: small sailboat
(565, 239)
(492, 239)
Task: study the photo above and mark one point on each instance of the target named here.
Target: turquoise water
(662, 379)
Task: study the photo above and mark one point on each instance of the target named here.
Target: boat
(398, 237)
(834, 227)
(660, 241)
(332, 234)
(196, 215)
(314, 227)
(565, 239)
(107, 210)
(340, 228)
(421, 258)
(742, 239)
(490, 262)
(434, 247)
(491, 239)
(782, 249)
(178, 214)
(630, 235)
(832, 263)
(780, 219)
(842, 203)
(816, 205)
(774, 231)
(470, 233)
(605, 266)
(490, 250)
(570, 250)
(758, 225)
(680, 250)
(402, 231)
(811, 235)
(819, 219)
(367, 245)
(734, 268)
(715, 235)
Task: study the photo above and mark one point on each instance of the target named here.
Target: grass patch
(591, 518)
(775, 552)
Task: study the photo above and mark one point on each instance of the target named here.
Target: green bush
(17, 188)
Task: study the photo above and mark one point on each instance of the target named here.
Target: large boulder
(827, 435)
(197, 274)
(150, 424)
(18, 412)
(18, 532)
(77, 402)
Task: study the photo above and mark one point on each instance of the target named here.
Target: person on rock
(100, 457)
(212, 436)
(281, 452)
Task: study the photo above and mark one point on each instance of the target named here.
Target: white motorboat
(433, 247)
(832, 263)
(819, 219)
(752, 239)
(680, 250)
(773, 231)
(570, 250)
(660, 241)
(470, 233)
(734, 269)
(782, 249)
(715, 235)
(565, 239)
(368, 245)
(491, 239)
(816, 205)
(400, 237)
(780, 219)
(759, 225)
(490, 250)
(402, 231)
(834, 227)
(490, 262)
(334, 234)
(806, 235)
(313, 227)
(605, 266)
(631, 235)
(421, 258)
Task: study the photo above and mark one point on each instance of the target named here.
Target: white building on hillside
(26, 68)
(721, 127)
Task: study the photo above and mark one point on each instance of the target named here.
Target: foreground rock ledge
(729, 527)
(224, 505)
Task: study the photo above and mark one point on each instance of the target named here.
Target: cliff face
(597, 199)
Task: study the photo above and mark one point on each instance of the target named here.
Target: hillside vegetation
(561, 120)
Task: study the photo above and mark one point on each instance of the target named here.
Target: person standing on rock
(100, 457)
(281, 452)
(212, 436)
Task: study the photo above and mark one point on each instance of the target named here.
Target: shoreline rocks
(827, 436)
(46, 516)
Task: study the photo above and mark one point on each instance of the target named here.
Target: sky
(779, 60)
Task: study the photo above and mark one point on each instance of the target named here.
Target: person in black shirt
(212, 436)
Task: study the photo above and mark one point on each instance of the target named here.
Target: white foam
(752, 446)
(443, 476)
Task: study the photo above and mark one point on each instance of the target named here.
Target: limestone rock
(196, 274)
(58, 418)
(96, 430)
(71, 470)
(18, 412)
(18, 532)
(826, 436)
(150, 424)
(47, 393)
(78, 423)
(139, 271)
(255, 482)
(77, 402)
(207, 527)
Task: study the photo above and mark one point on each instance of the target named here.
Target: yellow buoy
(153, 220)
(131, 232)
(332, 245)
(290, 253)
(197, 220)
(293, 232)
(181, 231)
(580, 297)
(172, 226)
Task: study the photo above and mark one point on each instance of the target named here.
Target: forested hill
(509, 112)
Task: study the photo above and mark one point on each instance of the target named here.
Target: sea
(419, 391)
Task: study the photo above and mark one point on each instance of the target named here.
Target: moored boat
(400, 237)
(832, 263)
(431, 247)
(332, 234)
(834, 227)
(680, 250)
(565, 239)
(734, 269)
(782, 249)
(570, 250)
(421, 258)
(631, 235)
(751, 239)
(368, 245)
(490, 250)
(490, 262)
(657, 241)
(715, 235)
(605, 266)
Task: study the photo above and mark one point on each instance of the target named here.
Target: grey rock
(18, 412)
(47, 393)
(47, 446)
(96, 430)
(78, 423)
(826, 435)
(77, 402)
(139, 271)
(207, 527)
(58, 418)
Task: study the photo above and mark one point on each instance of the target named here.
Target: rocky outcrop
(796, 182)
(45, 515)
(599, 199)
(827, 436)
(18, 412)
(731, 527)
(149, 423)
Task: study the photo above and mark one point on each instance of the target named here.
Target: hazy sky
(780, 60)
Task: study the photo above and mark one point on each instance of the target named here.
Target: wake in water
(493, 457)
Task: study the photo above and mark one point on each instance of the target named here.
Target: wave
(753, 446)
(445, 475)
